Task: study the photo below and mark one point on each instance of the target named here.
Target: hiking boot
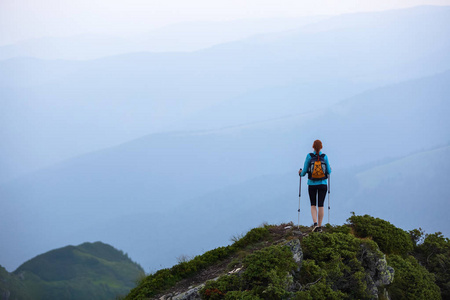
(318, 229)
(314, 227)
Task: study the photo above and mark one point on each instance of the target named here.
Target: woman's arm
(328, 165)
(305, 166)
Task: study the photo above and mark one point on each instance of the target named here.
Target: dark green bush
(390, 239)
(242, 295)
(320, 291)
(411, 280)
(434, 254)
(265, 276)
(333, 258)
(346, 229)
(219, 288)
(253, 236)
(311, 272)
(258, 265)
(417, 236)
(233, 264)
(325, 246)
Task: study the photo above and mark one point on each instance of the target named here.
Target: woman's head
(317, 145)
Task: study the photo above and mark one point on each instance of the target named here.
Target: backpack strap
(317, 156)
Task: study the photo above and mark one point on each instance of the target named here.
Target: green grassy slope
(87, 271)
(12, 287)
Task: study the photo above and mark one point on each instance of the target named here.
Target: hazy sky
(23, 19)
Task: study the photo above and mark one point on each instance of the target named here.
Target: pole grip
(300, 187)
(329, 183)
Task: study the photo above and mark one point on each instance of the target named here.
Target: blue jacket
(306, 166)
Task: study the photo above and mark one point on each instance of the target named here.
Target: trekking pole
(299, 195)
(329, 189)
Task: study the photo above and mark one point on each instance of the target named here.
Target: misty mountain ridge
(183, 37)
(188, 36)
(167, 178)
(154, 92)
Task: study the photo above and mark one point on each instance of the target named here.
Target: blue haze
(54, 110)
(169, 154)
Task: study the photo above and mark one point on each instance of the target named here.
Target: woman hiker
(318, 168)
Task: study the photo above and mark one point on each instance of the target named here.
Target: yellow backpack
(317, 167)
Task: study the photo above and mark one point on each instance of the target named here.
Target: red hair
(317, 145)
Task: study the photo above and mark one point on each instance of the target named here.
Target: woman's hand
(300, 171)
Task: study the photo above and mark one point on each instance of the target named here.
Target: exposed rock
(190, 294)
(378, 273)
(297, 252)
(237, 270)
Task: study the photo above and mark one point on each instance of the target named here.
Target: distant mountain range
(57, 109)
(181, 187)
(88, 271)
(183, 37)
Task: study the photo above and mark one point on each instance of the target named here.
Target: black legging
(320, 190)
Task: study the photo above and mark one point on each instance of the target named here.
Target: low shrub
(332, 262)
(266, 271)
(434, 254)
(411, 280)
(252, 237)
(346, 229)
(327, 246)
(390, 239)
(320, 290)
(242, 295)
(219, 288)
(265, 276)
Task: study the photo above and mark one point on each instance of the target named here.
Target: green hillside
(368, 258)
(88, 271)
(11, 287)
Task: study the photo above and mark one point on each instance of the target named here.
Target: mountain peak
(367, 258)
